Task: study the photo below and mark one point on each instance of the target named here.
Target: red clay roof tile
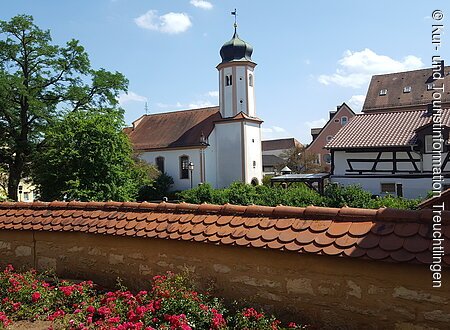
(416, 244)
(385, 234)
(391, 242)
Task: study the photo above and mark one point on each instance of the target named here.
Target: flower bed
(171, 303)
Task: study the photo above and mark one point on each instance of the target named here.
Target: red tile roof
(443, 198)
(396, 98)
(172, 129)
(383, 129)
(280, 144)
(383, 234)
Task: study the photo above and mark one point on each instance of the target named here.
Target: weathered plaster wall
(350, 293)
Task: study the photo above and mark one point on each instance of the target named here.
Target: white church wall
(251, 93)
(253, 157)
(211, 160)
(241, 82)
(172, 165)
(227, 99)
(229, 153)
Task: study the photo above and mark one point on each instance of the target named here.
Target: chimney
(429, 109)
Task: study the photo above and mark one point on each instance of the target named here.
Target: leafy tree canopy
(40, 82)
(86, 156)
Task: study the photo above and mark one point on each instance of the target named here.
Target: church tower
(238, 133)
(236, 78)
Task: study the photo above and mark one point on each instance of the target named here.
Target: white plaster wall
(241, 84)
(252, 136)
(251, 93)
(412, 188)
(172, 165)
(228, 153)
(211, 160)
(227, 107)
(340, 161)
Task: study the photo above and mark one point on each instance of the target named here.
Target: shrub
(352, 196)
(297, 194)
(171, 303)
(158, 189)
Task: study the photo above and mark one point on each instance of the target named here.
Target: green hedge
(300, 195)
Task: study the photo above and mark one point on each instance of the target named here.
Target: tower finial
(234, 13)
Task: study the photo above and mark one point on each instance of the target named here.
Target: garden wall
(333, 291)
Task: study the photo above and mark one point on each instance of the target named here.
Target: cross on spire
(234, 13)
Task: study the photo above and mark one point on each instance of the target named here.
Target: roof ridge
(309, 212)
(184, 110)
(397, 72)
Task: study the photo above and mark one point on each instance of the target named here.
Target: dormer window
(407, 89)
(383, 92)
(229, 80)
(430, 86)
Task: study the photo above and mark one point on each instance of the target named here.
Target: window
(344, 120)
(160, 163)
(329, 138)
(327, 158)
(316, 160)
(254, 164)
(184, 167)
(26, 196)
(428, 144)
(228, 80)
(383, 92)
(407, 89)
(250, 80)
(430, 86)
(388, 188)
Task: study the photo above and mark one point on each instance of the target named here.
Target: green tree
(39, 82)
(299, 160)
(86, 156)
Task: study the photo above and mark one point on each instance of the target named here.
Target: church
(217, 145)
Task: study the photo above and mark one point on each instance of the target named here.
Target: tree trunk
(15, 174)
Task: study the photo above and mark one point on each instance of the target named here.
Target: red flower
(35, 296)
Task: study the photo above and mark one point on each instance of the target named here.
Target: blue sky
(311, 55)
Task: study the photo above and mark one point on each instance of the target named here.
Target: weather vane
(234, 13)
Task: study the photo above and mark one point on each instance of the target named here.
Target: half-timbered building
(388, 149)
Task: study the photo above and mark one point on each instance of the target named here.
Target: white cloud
(171, 23)
(356, 102)
(201, 4)
(316, 123)
(356, 68)
(199, 104)
(274, 132)
(165, 105)
(131, 97)
(213, 93)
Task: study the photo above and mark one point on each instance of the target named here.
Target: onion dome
(236, 50)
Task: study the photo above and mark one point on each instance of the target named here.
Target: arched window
(344, 120)
(254, 182)
(184, 167)
(327, 158)
(250, 79)
(228, 80)
(160, 163)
